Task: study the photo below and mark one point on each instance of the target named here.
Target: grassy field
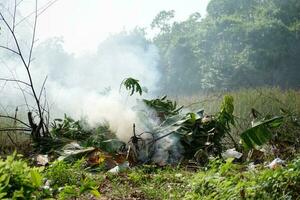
(268, 101)
(265, 100)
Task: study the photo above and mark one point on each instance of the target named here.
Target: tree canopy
(240, 43)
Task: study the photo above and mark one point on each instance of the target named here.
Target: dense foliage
(62, 181)
(18, 180)
(239, 43)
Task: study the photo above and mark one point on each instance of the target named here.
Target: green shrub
(61, 173)
(73, 191)
(68, 192)
(283, 183)
(70, 180)
(230, 181)
(69, 128)
(18, 180)
(102, 137)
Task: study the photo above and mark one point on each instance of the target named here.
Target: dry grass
(12, 140)
(265, 100)
(268, 101)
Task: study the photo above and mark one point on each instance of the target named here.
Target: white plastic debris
(232, 153)
(251, 166)
(47, 185)
(72, 146)
(74, 150)
(42, 160)
(277, 162)
(178, 175)
(119, 168)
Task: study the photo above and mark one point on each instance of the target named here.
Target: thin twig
(15, 80)
(33, 35)
(43, 86)
(14, 16)
(14, 118)
(19, 2)
(46, 7)
(15, 129)
(15, 39)
(15, 122)
(43, 8)
(11, 140)
(9, 49)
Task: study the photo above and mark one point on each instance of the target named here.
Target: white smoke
(168, 150)
(75, 84)
(88, 85)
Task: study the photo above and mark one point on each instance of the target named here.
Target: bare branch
(21, 89)
(15, 39)
(43, 86)
(9, 49)
(47, 6)
(15, 122)
(14, 118)
(33, 35)
(15, 129)
(24, 96)
(19, 2)
(37, 129)
(26, 65)
(14, 16)
(41, 9)
(15, 80)
(11, 140)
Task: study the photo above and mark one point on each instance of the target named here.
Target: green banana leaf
(260, 133)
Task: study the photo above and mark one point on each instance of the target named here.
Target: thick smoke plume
(89, 85)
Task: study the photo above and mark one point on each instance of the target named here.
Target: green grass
(268, 101)
(219, 180)
(150, 182)
(265, 100)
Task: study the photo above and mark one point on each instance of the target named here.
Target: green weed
(18, 180)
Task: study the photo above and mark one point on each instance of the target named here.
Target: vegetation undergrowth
(233, 181)
(18, 180)
(276, 128)
(218, 180)
(60, 180)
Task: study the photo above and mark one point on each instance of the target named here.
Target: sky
(83, 24)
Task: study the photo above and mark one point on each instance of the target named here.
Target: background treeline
(239, 43)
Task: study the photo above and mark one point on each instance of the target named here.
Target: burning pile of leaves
(177, 137)
(171, 135)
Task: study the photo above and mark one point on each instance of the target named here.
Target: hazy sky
(84, 23)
